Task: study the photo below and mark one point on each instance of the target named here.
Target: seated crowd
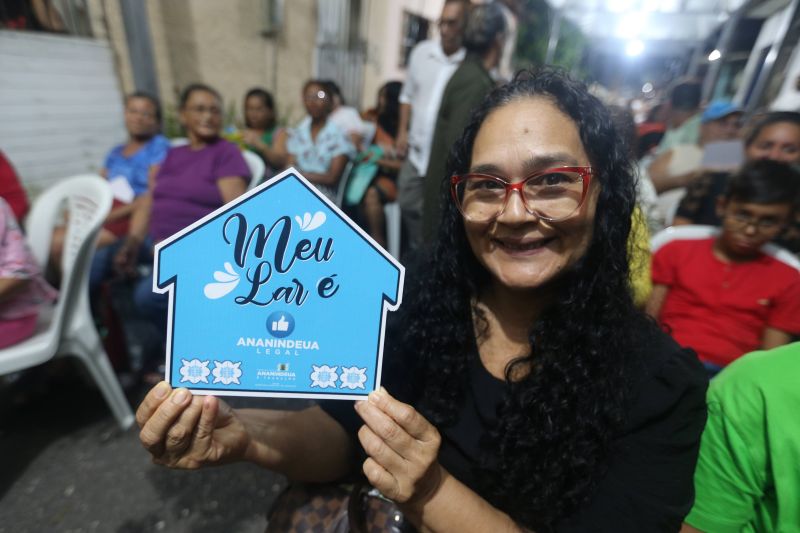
(720, 291)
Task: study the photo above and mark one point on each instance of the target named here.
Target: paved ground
(65, 467)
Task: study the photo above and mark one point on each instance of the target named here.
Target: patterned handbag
(334, 508)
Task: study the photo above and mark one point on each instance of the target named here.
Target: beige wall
(167, 88)
(105, 19)
(220, 43)
(384, 28)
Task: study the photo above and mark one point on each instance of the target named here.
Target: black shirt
(648, 485)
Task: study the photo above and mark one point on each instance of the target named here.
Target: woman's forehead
(536, 118)
(525, 129)
(141, 102)
(202, 94)
(786, 130)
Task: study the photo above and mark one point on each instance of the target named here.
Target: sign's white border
(169, 289)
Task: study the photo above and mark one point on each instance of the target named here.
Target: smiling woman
(542, 378)
(523, 389)
(528, 238)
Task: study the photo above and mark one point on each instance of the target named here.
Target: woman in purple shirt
(193, 181)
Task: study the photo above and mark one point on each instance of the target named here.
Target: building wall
(60, 103)
(179, 46)
(221, 44)
(105, 18)
(769, 32)
(167, 88)
(788, 99)
(65, 93)
(384, 33)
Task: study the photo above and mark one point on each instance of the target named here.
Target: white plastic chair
(694, 232)
(256, 166)
(178, 141)
(393, 225)
(68, 329)
(667, 204)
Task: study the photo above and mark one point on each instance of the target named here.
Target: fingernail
(357, 404)
(161, 390)
(180, 396)
(375, 396)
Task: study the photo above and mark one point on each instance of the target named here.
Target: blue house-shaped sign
(277, 293)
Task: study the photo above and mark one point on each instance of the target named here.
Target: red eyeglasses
(553, 194)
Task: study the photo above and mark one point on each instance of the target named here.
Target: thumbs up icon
(281, 324)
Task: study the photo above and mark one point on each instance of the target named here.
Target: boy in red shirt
(725, 296)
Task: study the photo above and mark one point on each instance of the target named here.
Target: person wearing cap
(680, 165)
(672, 171)
(724, 116)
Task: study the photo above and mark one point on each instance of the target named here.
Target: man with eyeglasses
(728, 295)
(484, 38)
(430, 67)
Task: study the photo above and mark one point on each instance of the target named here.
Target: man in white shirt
(429, 69)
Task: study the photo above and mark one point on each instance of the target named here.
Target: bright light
(619, 6)
(647, 88)
(714, 55)
(631, 25)
(634, 48)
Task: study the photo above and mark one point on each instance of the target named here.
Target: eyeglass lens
(554, 195)
(744, 220)
(201, 110)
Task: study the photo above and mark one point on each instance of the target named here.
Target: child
(23, 291)
(724, 296)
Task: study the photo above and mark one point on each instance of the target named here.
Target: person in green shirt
(261, 134)
(683, 116)
(748, 472)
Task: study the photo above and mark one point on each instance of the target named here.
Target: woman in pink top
(22, 289)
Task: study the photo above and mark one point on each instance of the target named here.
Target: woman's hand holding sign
(403, 449)
(403, 464)
(184, 431)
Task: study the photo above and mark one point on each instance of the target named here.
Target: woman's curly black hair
(552, 440)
